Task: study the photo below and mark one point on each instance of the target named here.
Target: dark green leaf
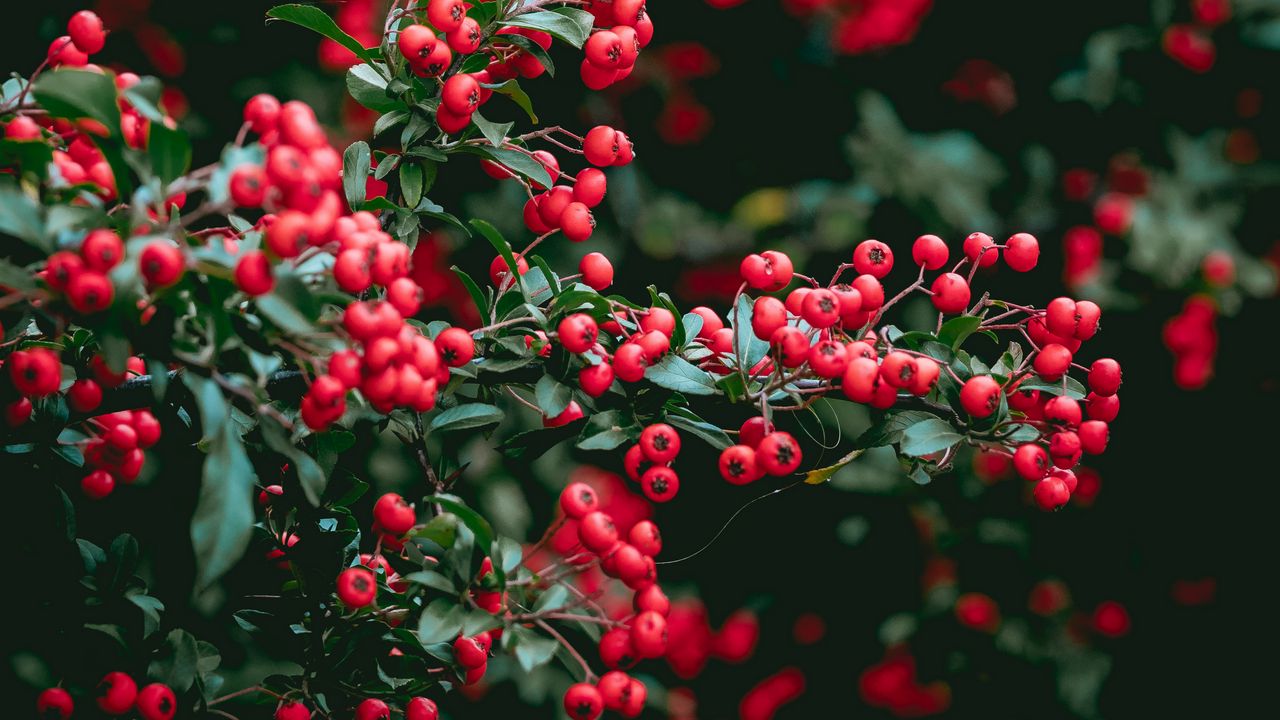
(495, 133)
(534, 49)
(556, 597)
(441, 622)
(513, 159)
(476, 524)
(606, 431)
(956, 330)
(675, 373)
(712, 435)
(928, 436)
(552, 396)
(512, 89)
(20, 216)
(368, 87)
(76, 94)
(495, 239)
(355, 173)
(315, 19)
(748, 348)
(1073, 387)
(473, 290)
(170, 153)
(570, 25)
(463, 417)
(178, 665)
(890, 428)
(532, 650)
(411, 183)
(310, 476)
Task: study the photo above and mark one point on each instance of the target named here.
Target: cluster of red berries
(117, 694)
(568, 208)
(623, 29)
(892, 684)
(761, 450)
(1192, 337)
(116, 452)
(861, 27)
(1191, 44)
(418, 708)
(648, 462)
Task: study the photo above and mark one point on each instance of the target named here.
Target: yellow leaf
(821, 475)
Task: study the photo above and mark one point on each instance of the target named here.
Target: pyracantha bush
(261, 310)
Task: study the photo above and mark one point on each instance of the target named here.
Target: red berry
(372, 709)
(950, 293)
(1051, 494)
(1031, 461)
(652, 598)
(1111, 619)
(658, 319)
(660, 483)
(589, 187)
(577, 222)
(597, 532)
(571, 413)
(821, 308)
(1093, 436)
(630, 362)
(930, 251)
(455, 346)
(978, 611)
(116, 693)
(767, 315)
(17, 412)
(601, 146)
(981, 249)
(292, 711)
(393, 514)
(461, 94)
(161, 264)
(1062, 412)
(778, 454)
(597, 271)
(578, 499)
(738, 465)
(35, 372)
(357, 587)
(102, 250)
(262, 112)
(1104, 377)
(1052, 362)
(583, 702)
(1102, 407)
(870, 290)
(1060, 317)
(446, 15)
(1087, 316)
(649, 634)
(156, 702)
(90, 292)
(604, 49)
(644, 536)
(596, 379)
(63, 51)
(54, 704)
(421, 708)
(660, 443)
(980, 396)
(577, 332)
(450, 122)
(1022, 252)
(828, 358)
(791, 346)
(898, 369)
(416, 43)
(1065, 449)
(873, 258)
(614, 687)
(253, 273)
(927, 372)
(770, 270)
(86, 31)
(615, 649)
(469, 653)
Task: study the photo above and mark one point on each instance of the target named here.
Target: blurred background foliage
(1131, 137)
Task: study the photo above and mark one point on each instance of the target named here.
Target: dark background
(1190, 480)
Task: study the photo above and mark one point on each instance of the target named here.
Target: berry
(1065, 449)
(950, 293)
(821, 308)
(1087, 316)
(253, 273)
(1052, 362)
(927, 372)
(1051, 494)
(63, 51)
(978, 611)
(572, 412)
(357, 587)
(871, 292)
(614, 687)
(156, 702)
(601, 146)
(644, 536)
(36, 372)
(652, 598)
(898, 369)
(597, 532)
(392, 513)
(658, 319)
(604, 49)
(1060, 317)
(576, 222)
(583, 702)
(90, 292)
(421, 708)
(577, 332)
(635, 463)
(595, 380)
(1031, 461)
(416, 43)
(17, 412)
(1102, 407)
(116, 693)
(54, 704)
(292, 711)
(615, 649)
(461, 94)
(161, 264)
(981, 249)
(450, 122)
(455, 346)
(630, 362)
(1062, 412)
(469, 653)
(86, 31)
(738, 465)
(372, 709)
(1093, 436)
(828, 358)
(1104, 377)
(589, 187)
(770, 270)
(649, 634)
(753, 431)
(102, 250)
(660, 483)
(1111, 619)
(597, 271)
(1022, 252)
(446, 15)
(767, 315)
(980, 396)
(578, 499)
(873, 258)
(929, 251)
(778, 454)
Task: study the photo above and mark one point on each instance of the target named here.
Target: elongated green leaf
(473, 290)
(441, 621)
(570, 25)
(500, 244)
(356, 161)
(463, 417)
(411, 183)
(712, 435)
(1073, 387)
(512, 89)
(748, 348)
(534, 49)
(821, 475)
(495, 133)
(890, 428)
(513, 159)
(552, 396)
(368, 87)
(476, 524)
(533, 650)
(606, 431)
(313, 18)
(675, 373)
(928, 436)
(170, 153)
(76, 94)
(310, 476)
(956, 330)
(178, 663)
(21, 217)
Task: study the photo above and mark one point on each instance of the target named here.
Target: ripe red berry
(596, 379)
(1031, 461)
(455, 346)
(1022, 252)
(821, 308)
(446, 15)
(597, 532)
(871, 292)
(980, 396)
(1062, 412)
(469, 653)
(767, 315)
(577, 332)
(393, 514)
(927, 372)
(1060, 317)
(161, 264)
(738, 465)
(601, 146)
(1104, 377)
(981, 249)
(416, 43)
(156, 702)
(778, 454)
(652, 598)
(660, 443)
(572, 412)
(86, 31)
(461, 94)
(1052, 362)
(1051, 493)
(597, 271)
(101, 250)
(17, 412)
(35, 372)
(578, 499)
(770, 270)
(614, 688)
(421, 708)
(589, 187)
(62, 51)
(873, 258)
(1102, 407)
(357, 587)
(577, 222)
(930, 251)
(1065, 449)
(828, 358)
(635, 463)
(660, 483)
(583, 702)
(54, 704)
(292, 711)
(1111, 619)
(950, 293)
(615, 649)
(898, 369)
(644, 536)
(90, 292)
(753, 431)
(1088, 314)
(116, 693)
(1093, 436)
(372, 709)
(630, 362)
(791, 345)
(604, 50)
(978, 611)
(253, 273)
(649, 634)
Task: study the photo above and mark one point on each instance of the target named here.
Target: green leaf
(566, 24)
(712, 435)
(222, 524)
(170, 153)
(606, 431)
(512, 89)
(76, 94)
(441, 530)
(1073, 387)
(432, 579)
(513, 159)
(21, 217)
(818, 476)
(310, 476)
(123, 557)
(441, 621)
(553, 283)
(495, 133)
(463, 417)
(179, 663)
(533, 650)
(556, 597)
(355, 173)
(552, 396)
(956, 330)
(315, 19)
(748, 348)
(283, 314)
(368, 87)
(151, 609)
(675, 373)
(890, 428)
(411, 183)
(928, 436)
(473, 290)
(495, 239)
(476, 524)
(528, 45)
(509, 553)
(145, 97)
